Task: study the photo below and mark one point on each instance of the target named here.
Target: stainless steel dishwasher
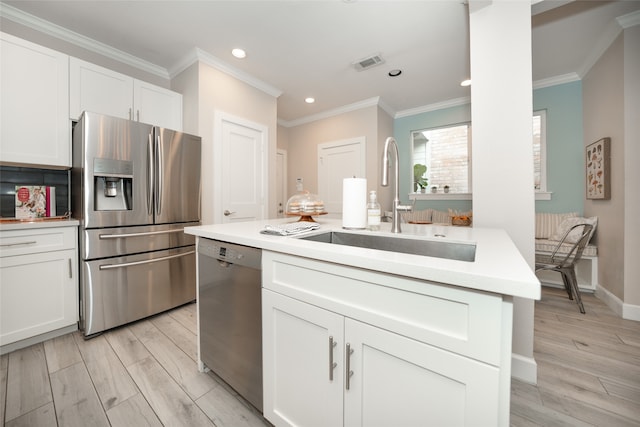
(230, 315)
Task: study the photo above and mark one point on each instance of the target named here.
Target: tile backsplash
(11, 176)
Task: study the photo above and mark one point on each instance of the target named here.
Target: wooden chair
(563, 259)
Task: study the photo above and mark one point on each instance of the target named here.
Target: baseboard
(622, 309)
(524, 368)
(8, 348)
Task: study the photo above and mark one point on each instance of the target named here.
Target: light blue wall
(565, 147)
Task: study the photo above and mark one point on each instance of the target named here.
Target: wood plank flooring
(145, 374)
(588, 366)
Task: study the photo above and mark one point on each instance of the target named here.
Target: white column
(501, 113)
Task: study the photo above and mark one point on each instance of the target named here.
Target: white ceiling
(305, 48)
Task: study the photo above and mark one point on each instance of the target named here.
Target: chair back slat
(575, 253)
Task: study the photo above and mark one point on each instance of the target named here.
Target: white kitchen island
(356, 336)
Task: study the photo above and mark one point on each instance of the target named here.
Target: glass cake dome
(305, 204)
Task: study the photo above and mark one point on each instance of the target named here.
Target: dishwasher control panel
(230, 252)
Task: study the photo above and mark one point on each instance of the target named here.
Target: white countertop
(498, 267)
(26, 225)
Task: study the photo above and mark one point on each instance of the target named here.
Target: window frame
(540, 194)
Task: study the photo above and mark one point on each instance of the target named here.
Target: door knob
(227, 212)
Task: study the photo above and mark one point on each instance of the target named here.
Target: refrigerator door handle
(148, 261)
(159, 173)
(150, 174)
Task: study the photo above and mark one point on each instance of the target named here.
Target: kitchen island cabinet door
(38, 294)
(35, 128)
(398, 381)
(298, 389)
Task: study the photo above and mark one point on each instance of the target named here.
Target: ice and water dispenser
(113, 184)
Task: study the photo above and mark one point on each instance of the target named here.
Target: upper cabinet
(100, 90)
(34, 125)
(157, 106)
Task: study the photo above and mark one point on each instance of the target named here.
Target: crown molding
(433, 107)
(51, 29)
(613, 30)
(198, 54)
(556, 80)
(375, 101)
(629, 20)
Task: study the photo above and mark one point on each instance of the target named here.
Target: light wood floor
(145, 374)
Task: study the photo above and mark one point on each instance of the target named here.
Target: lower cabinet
(38, 282)
(322, 368)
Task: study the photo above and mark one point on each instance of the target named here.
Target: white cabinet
(38, 282)
(100, 90)
(345, 346)
(157, 106)
(34, 124)
(301, 385)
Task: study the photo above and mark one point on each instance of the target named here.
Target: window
(540, 150)
(446, 153)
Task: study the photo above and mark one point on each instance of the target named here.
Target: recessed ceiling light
(395, 73)
(309, 100)
(465, 82)
(239, 53)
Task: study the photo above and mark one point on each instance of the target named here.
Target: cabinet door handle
(332, 364)
(70, 269)
(130, 114)
(6, 245)
(348, 366)
(138, 115)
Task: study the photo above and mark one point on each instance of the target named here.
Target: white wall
(303, 141)
(218, 91)
(501, 105)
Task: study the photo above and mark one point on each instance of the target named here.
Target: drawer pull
(332, 364)
(147, 261)
(7, 245)
(348, 366)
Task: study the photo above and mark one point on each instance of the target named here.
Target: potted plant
(419, 181)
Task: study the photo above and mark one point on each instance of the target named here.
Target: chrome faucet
(395, 218)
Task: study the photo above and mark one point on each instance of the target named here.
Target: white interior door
(338, 160)
(241, 165)
(281, 181)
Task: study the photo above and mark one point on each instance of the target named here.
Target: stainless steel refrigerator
(134, 189)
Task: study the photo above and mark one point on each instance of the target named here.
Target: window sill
(440, 196)
(540, 195)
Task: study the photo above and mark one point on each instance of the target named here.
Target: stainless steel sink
(449, 250)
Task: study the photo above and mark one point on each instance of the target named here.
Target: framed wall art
(599, 169)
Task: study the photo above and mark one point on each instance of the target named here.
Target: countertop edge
(9, 226)
(509, 276)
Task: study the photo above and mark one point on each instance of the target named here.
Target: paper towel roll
(354, 203)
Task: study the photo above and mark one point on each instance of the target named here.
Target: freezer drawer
(113, 242)
(120, 290)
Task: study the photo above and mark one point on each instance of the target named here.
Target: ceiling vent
(368, 62)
